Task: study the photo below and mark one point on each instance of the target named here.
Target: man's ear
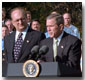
(61, 26)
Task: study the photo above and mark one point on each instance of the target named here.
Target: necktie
(17, 46)
(55, 48)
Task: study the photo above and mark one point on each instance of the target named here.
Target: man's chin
(51, 36)
(22, 28)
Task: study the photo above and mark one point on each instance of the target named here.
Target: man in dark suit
(18, 44)
(14, 53)
(68, 46)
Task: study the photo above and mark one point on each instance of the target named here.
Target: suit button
(3, 59)
(27, 41)
(3, 54)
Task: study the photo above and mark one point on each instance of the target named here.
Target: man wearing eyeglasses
(19, 43)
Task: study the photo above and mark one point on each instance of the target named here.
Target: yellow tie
(55, 48)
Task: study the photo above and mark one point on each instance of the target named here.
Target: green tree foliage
(41, 10)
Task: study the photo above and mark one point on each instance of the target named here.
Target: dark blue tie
(17, 46)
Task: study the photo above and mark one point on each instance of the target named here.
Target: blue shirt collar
(60, 37)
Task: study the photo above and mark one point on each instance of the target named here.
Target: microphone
(42, 51)
(34, 51)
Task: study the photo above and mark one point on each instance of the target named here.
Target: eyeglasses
(22, 19)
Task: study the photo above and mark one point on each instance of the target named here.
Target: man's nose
(48, 28)
(20, 21)
(35, 25)
(5, 32)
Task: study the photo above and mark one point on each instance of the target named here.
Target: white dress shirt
(24, 34)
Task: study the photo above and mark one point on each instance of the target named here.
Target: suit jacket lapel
(51, 49)
(51, 46)
(27, 40)
(62, 44)
(25, 43)
(12, 41)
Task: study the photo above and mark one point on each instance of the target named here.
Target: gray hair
(59, 18)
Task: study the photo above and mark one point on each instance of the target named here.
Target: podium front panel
(15, 69)
(46, 69)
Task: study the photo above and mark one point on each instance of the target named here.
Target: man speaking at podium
(19, 43)
(63, 47)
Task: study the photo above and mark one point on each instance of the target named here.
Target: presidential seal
(31, 68)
